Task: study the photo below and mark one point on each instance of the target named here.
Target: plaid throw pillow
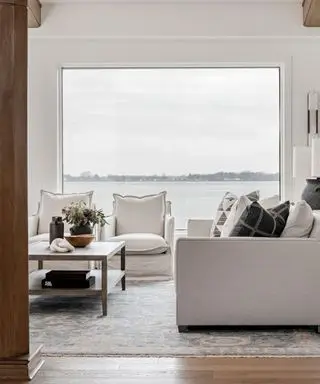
(256, 221)
(223, 212)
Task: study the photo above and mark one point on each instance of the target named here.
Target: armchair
(149, 236)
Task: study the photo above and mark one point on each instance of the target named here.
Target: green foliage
(78, 214)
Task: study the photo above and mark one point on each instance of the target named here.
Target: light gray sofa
(246, 281)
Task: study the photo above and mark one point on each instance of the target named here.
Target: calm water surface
(189, 199)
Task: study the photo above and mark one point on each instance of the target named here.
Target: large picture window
(193, 132)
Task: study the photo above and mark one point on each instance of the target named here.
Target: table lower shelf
(36, 277)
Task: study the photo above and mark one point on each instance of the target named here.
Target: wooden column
(16, 361)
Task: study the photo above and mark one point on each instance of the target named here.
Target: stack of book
(68, 279)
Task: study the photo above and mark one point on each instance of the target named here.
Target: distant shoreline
(216, 177)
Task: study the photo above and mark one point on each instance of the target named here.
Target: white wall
(136, 33)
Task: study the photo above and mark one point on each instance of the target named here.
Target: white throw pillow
(300, 221)
(51, 204)
(140, 214)
(315, 232)
(235, 214)
(270, 202)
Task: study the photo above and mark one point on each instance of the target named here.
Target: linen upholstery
(51, 204)
(315, 232)
(141, 263)
(140, 214)
(247, 281)
(300, 221)
(142, 243)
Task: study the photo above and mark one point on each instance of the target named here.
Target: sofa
(239, 281)
(146, 225)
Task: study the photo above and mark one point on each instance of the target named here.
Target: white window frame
(285, 117)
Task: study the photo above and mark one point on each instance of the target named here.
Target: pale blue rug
(141, 321)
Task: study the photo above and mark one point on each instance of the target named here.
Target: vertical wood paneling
(14, 308)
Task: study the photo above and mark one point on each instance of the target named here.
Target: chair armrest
(169, 231)
(109, 229)
(33, 222)
(199, 227)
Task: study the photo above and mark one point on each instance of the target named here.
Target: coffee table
(105, 279)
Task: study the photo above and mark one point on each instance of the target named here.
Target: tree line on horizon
(218, 176)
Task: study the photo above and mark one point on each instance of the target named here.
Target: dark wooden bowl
(80, 241)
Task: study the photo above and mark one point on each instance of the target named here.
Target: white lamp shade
(315, 157)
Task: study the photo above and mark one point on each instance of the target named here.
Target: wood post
(15, 359)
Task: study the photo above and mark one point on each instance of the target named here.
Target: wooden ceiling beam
(34, 13)
(311, 13)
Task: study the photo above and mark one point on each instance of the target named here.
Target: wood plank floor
(206, 370)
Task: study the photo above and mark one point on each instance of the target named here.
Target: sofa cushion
(224, 209)
(142, 243)
(256, 221)
(315, 232)
(140, 214)
(51, 204)
(235, 214)
(300, 221)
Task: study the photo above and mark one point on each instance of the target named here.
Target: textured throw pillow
(256, 221)
(236, 211)
(51, 204)
(300, 221)
(140, 214)
(224, 209)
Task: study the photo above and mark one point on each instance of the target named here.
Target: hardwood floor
(215, 370)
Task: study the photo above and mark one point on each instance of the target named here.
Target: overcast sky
(170, 121)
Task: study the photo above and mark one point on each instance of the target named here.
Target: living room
(80, 48)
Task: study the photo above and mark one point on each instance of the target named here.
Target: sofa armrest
(199, 227)
(169, 231)
(33, 222)
(108, 230)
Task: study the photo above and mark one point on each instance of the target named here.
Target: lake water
(189, 199)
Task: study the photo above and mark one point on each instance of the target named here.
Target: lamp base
(311, 193)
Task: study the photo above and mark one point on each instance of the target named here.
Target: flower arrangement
(82, 218)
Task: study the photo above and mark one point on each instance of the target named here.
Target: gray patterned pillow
(256, 221)
(223, 212)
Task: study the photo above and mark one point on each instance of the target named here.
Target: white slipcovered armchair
(147, 227)
(51, 204)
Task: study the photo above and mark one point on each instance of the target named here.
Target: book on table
(68, 279)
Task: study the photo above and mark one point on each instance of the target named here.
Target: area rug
(141, 321)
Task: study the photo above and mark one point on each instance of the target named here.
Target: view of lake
(189, 199)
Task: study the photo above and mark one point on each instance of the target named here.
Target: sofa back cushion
(300, 221)
(315, 232)
(140, 214)
(51, 204)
